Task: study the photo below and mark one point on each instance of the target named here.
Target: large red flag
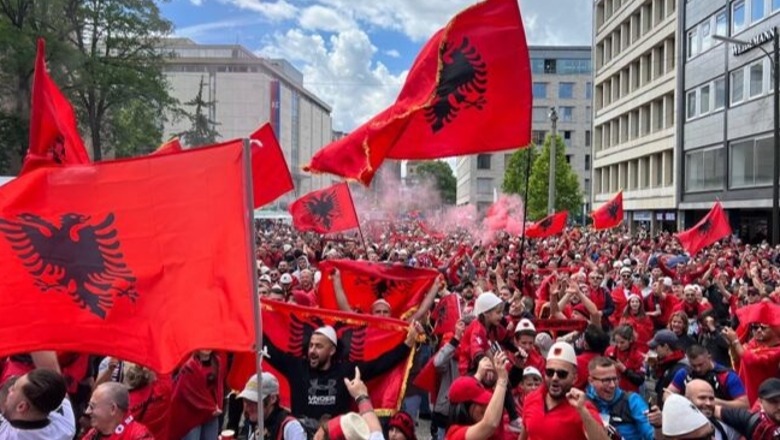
(54, 134)
(286, 332)
(327, 210)
(364, 282)
(468, 91)
(551, 225)
(713, 227)
(144, 259)
(446, 314)
(271, 177)
(610, 214)
(172, 146)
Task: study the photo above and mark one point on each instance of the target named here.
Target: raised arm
(338, 288)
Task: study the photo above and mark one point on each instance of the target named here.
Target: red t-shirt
(129, 430)
(561, 422)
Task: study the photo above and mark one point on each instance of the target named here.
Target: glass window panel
(706, 37)
(737, 86)
(737, 16)
(691, 105)
(741, 164)
(775, 5)
(539, 114)
(693, 46)
(721, 23)
(537, 65)
(484, 185)
(720, 94)
(756, 79)
(540, 90)
(756, 10)
(567, 114)
(704, 100)
(566, 90)
(763, 161)
(589, 88)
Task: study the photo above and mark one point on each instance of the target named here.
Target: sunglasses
(761, 327)
(550, 372)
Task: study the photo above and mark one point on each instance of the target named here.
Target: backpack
(717, 378)
(619, 414)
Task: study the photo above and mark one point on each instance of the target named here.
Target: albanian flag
(327, 210)
(551, 225)
(713, 227)
(468, 92)
(402, 286)
(144, 259)
(54, 134)
(172, 146)
(610, 214)
(270, 174)
(446, 314)
(361, 339)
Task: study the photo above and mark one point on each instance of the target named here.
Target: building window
(587, 138)
(690, 106)
(720, 94)
(566, 90)
(704, 100)
(737, 86)
(539, 114)
(589, 87)
(748, 163)
(706, 36)
(567, 114)
(588, 114)
(722, 24)
(587, 161)
(756, 10)
(737, 16)
(566, 66)
(756, 78)
(484, 185)
(775, 5)
(704, 169)
(692, 43)
(568, 159)
(538, 137)
(483, 161)
(537, 65)
(549, 66)
(540, 90)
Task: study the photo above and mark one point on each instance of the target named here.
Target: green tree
(515, 174)
(568, 195)
(202, 131)
(443, 177)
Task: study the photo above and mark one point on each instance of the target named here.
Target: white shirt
(61, 426)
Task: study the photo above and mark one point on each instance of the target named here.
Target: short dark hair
(45, 389)
(600, 362)
(596, 338)
(695, 351)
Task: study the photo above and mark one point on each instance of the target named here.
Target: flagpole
(360, 228)
(525, 215)
(250, 203)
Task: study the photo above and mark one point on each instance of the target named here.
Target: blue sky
(355, 54)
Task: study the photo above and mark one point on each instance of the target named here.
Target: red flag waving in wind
(468, 91)
(270, 174)
(713, 227)
(610, 214)
(446, 314)
(551, 225)
(327, 210)
(54, 134)
(144, 259)
(374, 344)
(172, 146)
(403, 287)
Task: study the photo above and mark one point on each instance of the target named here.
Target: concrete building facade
(562, 78)
(635, 108)
(727, 144)
(247, 92)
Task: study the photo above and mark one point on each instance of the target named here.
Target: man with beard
(278, 423)
(317, 381)
(701, 394)
(761, 425)
(556, 410)
(729, 390)
(671, 359)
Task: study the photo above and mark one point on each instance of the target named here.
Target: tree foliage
(202, 131)
(442, 175)
(568, 195)
(516, 170)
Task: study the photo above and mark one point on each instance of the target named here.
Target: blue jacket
(637, 429)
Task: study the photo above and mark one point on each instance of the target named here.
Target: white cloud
(196, 2)
(275, 11)
(340, 71)
(392, 53)
(315, 18)
(202, 29)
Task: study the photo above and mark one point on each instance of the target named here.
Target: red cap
(467, 389)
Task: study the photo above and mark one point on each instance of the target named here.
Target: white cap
(265, 278)
(354, 427)
(617, 264)
(667, 282)
(286, 248)
(285, 279)
(329, 333)
(531, 371)
(680, 416)
(525, 325)
(270, 387)
(625, 270)
(563, 352)
(626, 262)
(485, 302)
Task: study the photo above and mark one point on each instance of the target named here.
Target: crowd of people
(666, 345)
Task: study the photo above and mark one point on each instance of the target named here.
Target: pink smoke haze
(506, 214)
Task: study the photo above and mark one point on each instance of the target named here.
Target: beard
(558, 392)
(317, 362)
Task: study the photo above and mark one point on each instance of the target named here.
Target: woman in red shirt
(634, 315)
(629, 360)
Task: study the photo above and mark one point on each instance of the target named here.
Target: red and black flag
(287, 329)
(172, 146)
(403, 287)
(610, 214)
(446, 314)
(270, 174)
(54, 134)
(324, 211)
(109, 246)
(468, 92)
(713, 227)
(551, 225)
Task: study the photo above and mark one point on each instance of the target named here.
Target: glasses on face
(550, 372)
(274, 274)
(756, 327)
(606, 380)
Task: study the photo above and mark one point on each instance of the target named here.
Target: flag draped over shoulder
(713, 227)
(468, 91)
(610, 214)
(288, 327)
(144, 259)
(364, 282)
(327, 210)
(551, 225)
(54, 134)
(270, 174)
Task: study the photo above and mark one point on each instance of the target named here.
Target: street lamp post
(553, 146)
(775, 58)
